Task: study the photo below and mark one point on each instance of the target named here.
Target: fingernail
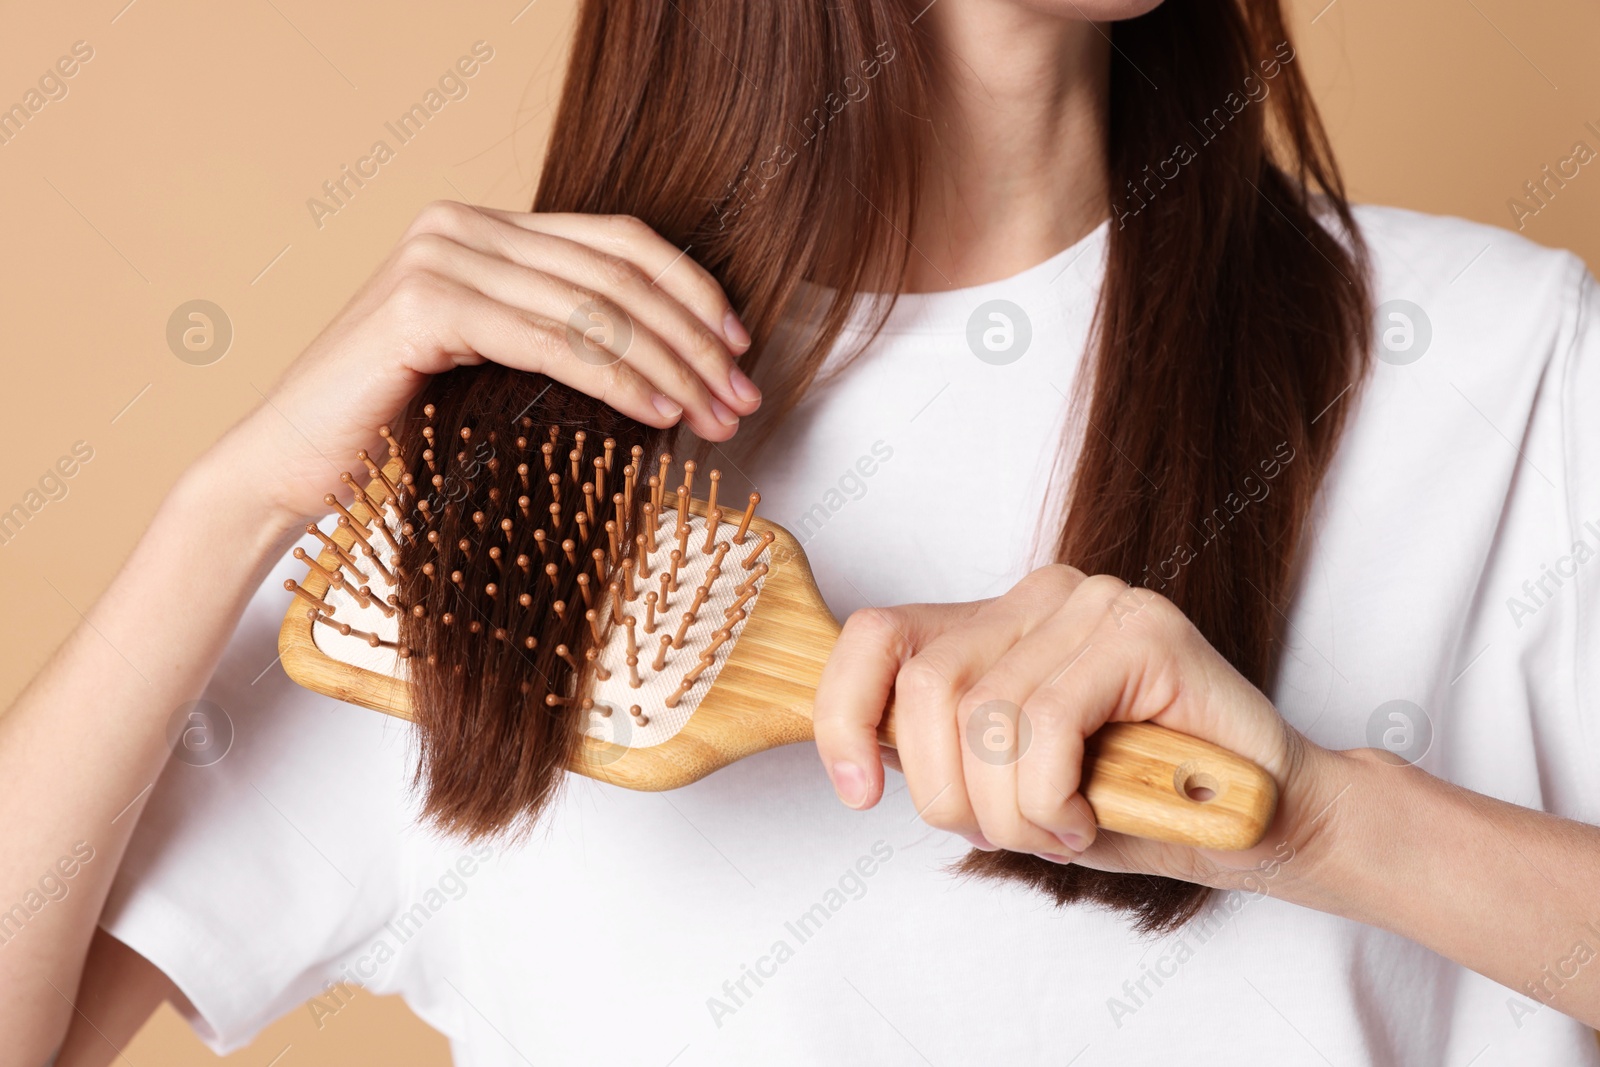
(668, 409)
(980, 842)
(743, 387)
(723, 414)
(1054, 857)
(1075, 842)
(850, 782)
(734, 330)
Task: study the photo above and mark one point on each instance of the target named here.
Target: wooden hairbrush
(697, 661)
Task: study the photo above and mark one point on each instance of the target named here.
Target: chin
(1094, 10)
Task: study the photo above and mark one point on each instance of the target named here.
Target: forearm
(1510, 892)
(88, 737)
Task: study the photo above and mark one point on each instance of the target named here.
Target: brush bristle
(536, 572)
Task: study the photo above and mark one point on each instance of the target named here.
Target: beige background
(179, 164)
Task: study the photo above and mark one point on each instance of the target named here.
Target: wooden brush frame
(1140, 779)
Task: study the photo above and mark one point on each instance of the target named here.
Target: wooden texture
(1139, 778)
(297, 645)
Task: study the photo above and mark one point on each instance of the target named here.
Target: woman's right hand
(601, 303)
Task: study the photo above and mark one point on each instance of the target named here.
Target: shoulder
(1484, 293)
(1475, 336)
(1485, 353)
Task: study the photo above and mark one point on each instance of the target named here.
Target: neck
(1015, 169)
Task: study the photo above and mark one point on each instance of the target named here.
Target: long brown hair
(493, 626)
(1232, 319)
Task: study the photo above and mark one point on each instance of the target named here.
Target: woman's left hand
(1072, 653)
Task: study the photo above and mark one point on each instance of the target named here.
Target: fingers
(986, 749)
(993, 707)
(703, 349)
(989, 681)
(855, 687)
(930, 750)
(993, 736)
(959, 771)
(670, 267)
(615, 290)
(607, 336)
(463, 326)
(1048, 772)
(666, 298)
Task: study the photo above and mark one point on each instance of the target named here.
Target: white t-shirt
(750, 918)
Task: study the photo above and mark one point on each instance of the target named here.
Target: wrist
(172, 606)
(224, 487)
(1322, 823)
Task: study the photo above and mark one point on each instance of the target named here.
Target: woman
(1271, 541)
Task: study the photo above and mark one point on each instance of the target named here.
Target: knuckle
(708, 351)
(423, 251)
(1057, 576)
(1165, 611)
(1043, 807)
(1177, 628)
(919, 681)
(1046, 706)
(707, 291)
(628, 227)
(1102, 588)
(1146, 613)
(599, 319)
(417, 293)
(620, 383)
(439, 216)
(683, 381)
(872, 627)
(1050, 585)
(581, 295)
(982, 695)
(546, 341)
(619, 272)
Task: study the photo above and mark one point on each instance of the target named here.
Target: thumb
(855, 688)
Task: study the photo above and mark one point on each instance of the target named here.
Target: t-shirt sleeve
(1580, 417)
(273, 841)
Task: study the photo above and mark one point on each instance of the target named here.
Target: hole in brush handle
(1148, 781)
(1199, 781)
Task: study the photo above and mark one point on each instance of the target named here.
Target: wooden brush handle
(1148, 781)
(1140, 779)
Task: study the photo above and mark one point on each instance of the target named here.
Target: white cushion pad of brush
(661, 722)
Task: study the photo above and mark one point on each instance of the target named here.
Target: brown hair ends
(497, 616)
(779, 143)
